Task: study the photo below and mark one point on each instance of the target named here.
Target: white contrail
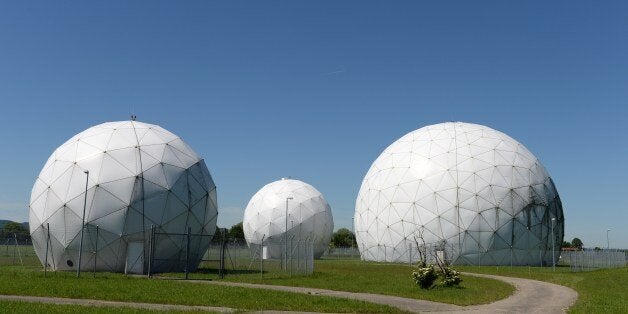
(336, 72)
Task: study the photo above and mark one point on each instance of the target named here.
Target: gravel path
(407, 304)
(531, 296)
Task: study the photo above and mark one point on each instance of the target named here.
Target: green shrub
(425, 276)
(451, 277)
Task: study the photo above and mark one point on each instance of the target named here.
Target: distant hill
(4, 222)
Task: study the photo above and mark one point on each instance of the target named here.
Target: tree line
(343, 237)
(14, 229)
(576, 243)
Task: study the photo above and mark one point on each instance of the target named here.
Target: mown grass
(18, 255)
(23, 280)
(27, 307)
(379, 278)
(599, 291)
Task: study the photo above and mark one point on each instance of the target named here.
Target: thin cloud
(340, 71)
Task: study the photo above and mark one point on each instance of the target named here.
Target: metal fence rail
(594, 259)
(228, 256)
(291, 257)
(16, 250)
(342, 253)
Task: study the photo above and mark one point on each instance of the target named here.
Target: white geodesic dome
(467, 190)
(139, 176)
(309, 216)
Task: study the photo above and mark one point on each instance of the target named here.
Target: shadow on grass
(213, 271)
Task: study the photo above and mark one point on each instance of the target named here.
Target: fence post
(311, 257)
(221, 271)
(261, 259)
(152, 256)
(187, 253)
(291, 255)
(608, 254)
(304, 257)
(47, 243)
(96, 251)
(220, 260)
(150, 250)
(298, 255)
(236, 252)
(17, 249)
(14, 248)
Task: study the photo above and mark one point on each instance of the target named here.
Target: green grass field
(17, 255)
(25, 307)
(599, 291)
(28, 280)
(602, 290)
(379, 278)
(347, 275)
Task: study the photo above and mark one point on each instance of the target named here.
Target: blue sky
(316, 90)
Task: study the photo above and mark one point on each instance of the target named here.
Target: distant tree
(219, 234)
(343, 238)
(17, 229)
(236, 232)
(597, 248)
(566, 244)
(577, 243)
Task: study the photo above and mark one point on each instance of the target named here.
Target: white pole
(608, 247)
(553, 249)
(286, 236)
(78, 268)
(608, 243)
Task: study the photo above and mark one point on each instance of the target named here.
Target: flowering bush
(425, 276)
(451, 277)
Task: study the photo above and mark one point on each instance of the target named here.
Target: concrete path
(406, 304)
(531, 296)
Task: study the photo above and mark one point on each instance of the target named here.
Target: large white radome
(309, 216)
(140, 175)
(467, 186)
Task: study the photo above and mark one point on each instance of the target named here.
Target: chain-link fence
(412, 253)
(176, 252)
(594, 259)
(453, 254)
(290, 256)
(16, 251)
(342, 253)
(172, 252)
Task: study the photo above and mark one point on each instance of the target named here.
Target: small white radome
(309, 216)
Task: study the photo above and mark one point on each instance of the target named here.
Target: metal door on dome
(134, 258)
